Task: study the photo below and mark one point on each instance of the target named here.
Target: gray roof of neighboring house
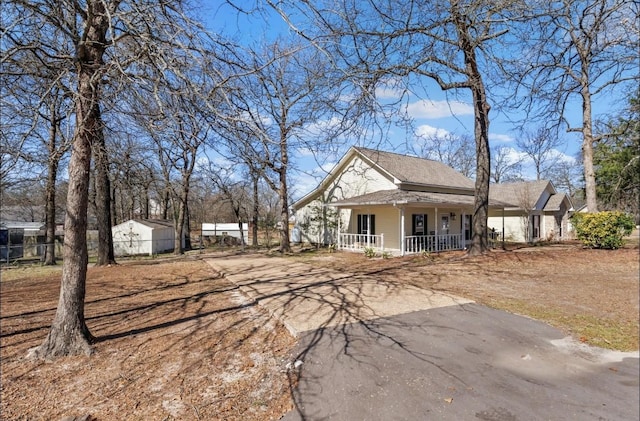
(513, 192)
(156, 223)
(554, 202)
(402, 197)
(419, 171)
(29, 226)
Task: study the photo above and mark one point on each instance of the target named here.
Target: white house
(538, 211)
(143, 236)
(226, 230)
(393, 202)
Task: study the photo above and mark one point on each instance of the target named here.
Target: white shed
(143, 236)
(226, 230)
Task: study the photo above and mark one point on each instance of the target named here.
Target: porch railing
(361, 241)
(433, 243)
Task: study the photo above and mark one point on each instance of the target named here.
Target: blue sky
(432, 111)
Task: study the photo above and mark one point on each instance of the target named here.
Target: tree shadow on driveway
(372, 348)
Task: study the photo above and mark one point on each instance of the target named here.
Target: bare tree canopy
(285, 105)
(581, 52)
(449, 42)
(540, 146)
(99, 47)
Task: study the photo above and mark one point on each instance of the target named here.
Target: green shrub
(369, 252)
(605, 230)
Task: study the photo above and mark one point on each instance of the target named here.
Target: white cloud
(391, 88)
(388, 93)
(429, 109)
(503, 138)
(562, 157)
(429, 131)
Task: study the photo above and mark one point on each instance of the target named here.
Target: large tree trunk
(69, 333)
(106, 255)
(479, 240)
(587, 152)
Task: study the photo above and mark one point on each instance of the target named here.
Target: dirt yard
(177, 341)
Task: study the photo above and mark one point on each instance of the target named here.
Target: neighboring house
(19, 239)
(390, 202)
(398, 203)
(538, 211)
(143, 236)
(226, 230)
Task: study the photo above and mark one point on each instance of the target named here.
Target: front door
(444, 226)
(467, 227)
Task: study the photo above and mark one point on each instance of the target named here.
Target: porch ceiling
(403, 197)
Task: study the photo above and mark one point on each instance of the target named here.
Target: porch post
(368, 230)
(402, 246)
(339, 223)
(437, 223)
(463, 229)
(503, 227)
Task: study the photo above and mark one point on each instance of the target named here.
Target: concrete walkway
(304, 298)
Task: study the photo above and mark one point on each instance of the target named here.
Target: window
(366, 224)
(467, 227)
(419, 222)
(535, 222)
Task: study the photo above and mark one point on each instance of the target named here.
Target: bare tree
(506, 165)
(540, 146)
(526, 201)
(110, 41)
(449, 42)
(235, 192)
(580, 52)
(566, 177)
(451, 149)
(283, 105)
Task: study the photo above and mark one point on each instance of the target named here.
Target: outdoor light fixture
(453, 216)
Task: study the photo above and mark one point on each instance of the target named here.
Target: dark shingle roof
(401, 197)
(414, 170)
(554, 202)
(513, 192)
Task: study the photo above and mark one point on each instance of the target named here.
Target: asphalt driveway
(374, 350)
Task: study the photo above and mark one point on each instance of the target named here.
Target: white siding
(514, 226)
(354, 179)
(133, 238)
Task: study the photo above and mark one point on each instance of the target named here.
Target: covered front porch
(402, 223)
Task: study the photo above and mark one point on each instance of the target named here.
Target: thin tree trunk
(187, 226)
(285, 245)
(179, 224)
(256, 210)
(50, 218)
(50, 200)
